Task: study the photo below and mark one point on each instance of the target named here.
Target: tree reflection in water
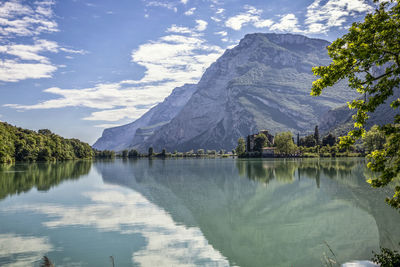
(19, 178)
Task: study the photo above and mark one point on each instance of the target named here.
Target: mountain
(121, 137)
(339, 120)
(262, 83)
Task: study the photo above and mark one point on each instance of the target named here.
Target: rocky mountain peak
(262, 83)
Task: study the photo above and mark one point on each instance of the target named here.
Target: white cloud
(321, 17)
(178, 29)
(220, 10)
(14, 71)
(287, 23)
(174, 57)
(250, 16)
(263, 23)
(116, 114)
(222, 33)
(18, 19)
(107, 125)
(73, 51)
(28, 60)
(184, 1)
(167, 5)
(216, 19)
(24, 250)
(30, 52)
(190, 11)
(170, 61)
(201, 25)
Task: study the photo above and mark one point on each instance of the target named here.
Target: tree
(163, 152)
(44, 131)
(200, 151)
(44, 154)
(125, 153)
(133, 153)
(151, 151)
(316, 135)
(329, 139)
(373, 139)
(241, 147)
(308, 141)
(298, 139)
(284, 143)
(260, 141)
(368, 56)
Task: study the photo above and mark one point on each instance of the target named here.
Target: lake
(193, 212)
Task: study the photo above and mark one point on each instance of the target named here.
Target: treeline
(18, 144)
(133, 153)
(313, 145)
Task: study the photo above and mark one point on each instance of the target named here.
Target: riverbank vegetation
(133, 153)
(312, 146)
(18, 144)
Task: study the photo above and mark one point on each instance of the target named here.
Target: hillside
(17, 144)
(121, 137)
(339, 120)
(262, 83)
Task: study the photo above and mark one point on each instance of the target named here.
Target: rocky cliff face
(339, 120)
(122, 137)
(263, 83)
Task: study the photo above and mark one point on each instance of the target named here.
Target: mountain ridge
(262, 83)
(245, 91)
(124, 136)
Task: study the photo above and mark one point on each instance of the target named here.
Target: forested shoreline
(18, 144)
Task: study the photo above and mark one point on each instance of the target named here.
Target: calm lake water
(190, 212)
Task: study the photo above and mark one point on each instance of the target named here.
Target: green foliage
(284, 143)
(151, 151)
(369, 57)
(105, 154)
(241, 147)
(163, 152)
(374, 139)
(200, 151)
(133, 153)
(260, 141)
(387, 258)
(329, 140)
(316, 135)
(308, 141)
(17, 144)
(211, 152)
(125, 153)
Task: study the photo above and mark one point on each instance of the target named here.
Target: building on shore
(250, 141)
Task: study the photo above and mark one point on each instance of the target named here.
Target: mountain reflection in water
(257, 212)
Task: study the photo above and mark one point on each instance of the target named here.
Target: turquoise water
(192, 212)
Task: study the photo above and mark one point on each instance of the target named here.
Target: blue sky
(78, 66)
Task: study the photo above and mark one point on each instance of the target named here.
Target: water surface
(192, 212)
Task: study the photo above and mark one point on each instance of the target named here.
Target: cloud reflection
(168, 244)
(22, 250)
